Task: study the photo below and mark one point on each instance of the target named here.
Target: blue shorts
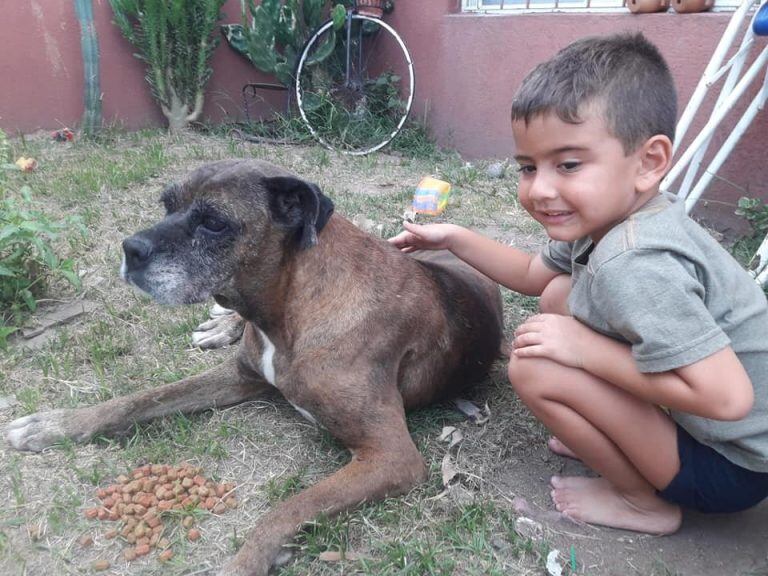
(709, 482)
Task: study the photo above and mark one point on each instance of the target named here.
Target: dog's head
(223, 217)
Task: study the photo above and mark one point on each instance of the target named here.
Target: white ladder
(734, 86)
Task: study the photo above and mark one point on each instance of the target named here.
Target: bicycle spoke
(354, 87)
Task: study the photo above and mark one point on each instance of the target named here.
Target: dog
(350, 330)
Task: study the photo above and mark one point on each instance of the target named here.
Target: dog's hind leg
(384, 463)
(220, 386)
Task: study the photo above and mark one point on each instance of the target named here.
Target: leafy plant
(5, 150)
(277, 31)
(27, 258)
(754, 211)
(176, 40)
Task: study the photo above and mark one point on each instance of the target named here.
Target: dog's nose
(137, 251)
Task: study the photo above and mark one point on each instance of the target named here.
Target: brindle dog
(351, 331)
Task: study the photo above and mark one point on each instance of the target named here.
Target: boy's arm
(656, 301)
(510, 267)
(715, 387)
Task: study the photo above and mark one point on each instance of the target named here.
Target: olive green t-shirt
(659, 282)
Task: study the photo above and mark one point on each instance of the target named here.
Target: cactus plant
(273, 38)
(89, 46)
(176, 40)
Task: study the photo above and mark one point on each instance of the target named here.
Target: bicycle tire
(363, 112)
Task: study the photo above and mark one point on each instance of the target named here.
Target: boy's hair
(624, 74)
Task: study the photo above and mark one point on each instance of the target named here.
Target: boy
(649, 361)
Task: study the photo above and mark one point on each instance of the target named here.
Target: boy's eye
(526, 169)
(570, 166)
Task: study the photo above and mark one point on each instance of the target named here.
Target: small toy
(63, 135)
(431, 196)
(26, 164)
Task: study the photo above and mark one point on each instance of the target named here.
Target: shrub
(28, 259)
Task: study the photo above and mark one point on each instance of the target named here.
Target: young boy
(649, 361)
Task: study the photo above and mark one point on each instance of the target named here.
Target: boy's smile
(575, 179)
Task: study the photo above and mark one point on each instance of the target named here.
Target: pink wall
(467, 69)
(42, 71)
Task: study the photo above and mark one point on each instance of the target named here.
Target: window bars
(594, 6)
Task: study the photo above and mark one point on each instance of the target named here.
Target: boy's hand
(558, 338)
(423, 237)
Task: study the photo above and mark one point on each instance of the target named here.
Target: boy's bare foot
(558, 447)
(596, 501)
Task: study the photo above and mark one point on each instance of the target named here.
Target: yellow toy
(431, 196)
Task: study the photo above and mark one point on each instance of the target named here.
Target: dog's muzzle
(137, 252)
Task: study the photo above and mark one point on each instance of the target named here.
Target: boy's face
(575, 179)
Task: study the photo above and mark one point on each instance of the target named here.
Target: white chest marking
(267, 359)
(304, 413)
(267, 365)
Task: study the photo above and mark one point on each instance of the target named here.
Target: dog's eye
(213, 224)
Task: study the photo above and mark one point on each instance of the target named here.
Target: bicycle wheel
(354, 86)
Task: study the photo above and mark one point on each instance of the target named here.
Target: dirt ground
(267, 440)
(706, 545)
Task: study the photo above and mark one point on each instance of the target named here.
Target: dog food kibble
(165, 555)
(193, 534)
(147, 499)
(85, 541)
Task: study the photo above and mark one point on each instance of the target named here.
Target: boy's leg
(630, 443)
(554, 300)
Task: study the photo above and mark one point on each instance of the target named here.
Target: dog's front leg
(386, 464)
(220, 386)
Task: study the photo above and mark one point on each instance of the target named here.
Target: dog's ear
(299, 206)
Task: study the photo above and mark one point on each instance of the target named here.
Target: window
(564, 5)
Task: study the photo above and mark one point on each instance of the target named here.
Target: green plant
(277, 31)
(754, 211)
(5, 150)
(176, 40)
(89, 45)
(28, 259)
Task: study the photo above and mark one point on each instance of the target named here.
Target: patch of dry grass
(130, 344)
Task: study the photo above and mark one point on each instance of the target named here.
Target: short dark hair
(624, 74)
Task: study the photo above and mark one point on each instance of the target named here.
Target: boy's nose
(542, 188)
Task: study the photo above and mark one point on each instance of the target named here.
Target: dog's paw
(36, 431)
(225, 327)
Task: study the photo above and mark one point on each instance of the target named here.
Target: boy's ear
(655, 157)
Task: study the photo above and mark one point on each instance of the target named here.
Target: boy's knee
(522, 374)
(554, 298)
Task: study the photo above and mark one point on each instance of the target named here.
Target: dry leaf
(337, 556)
(528, 528)
(449, 469)
(451, 434)
(554, 568)
(471, 411)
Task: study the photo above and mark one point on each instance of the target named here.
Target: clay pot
(647, 6)
(687, 6)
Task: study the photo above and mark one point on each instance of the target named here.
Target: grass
(130, 344)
